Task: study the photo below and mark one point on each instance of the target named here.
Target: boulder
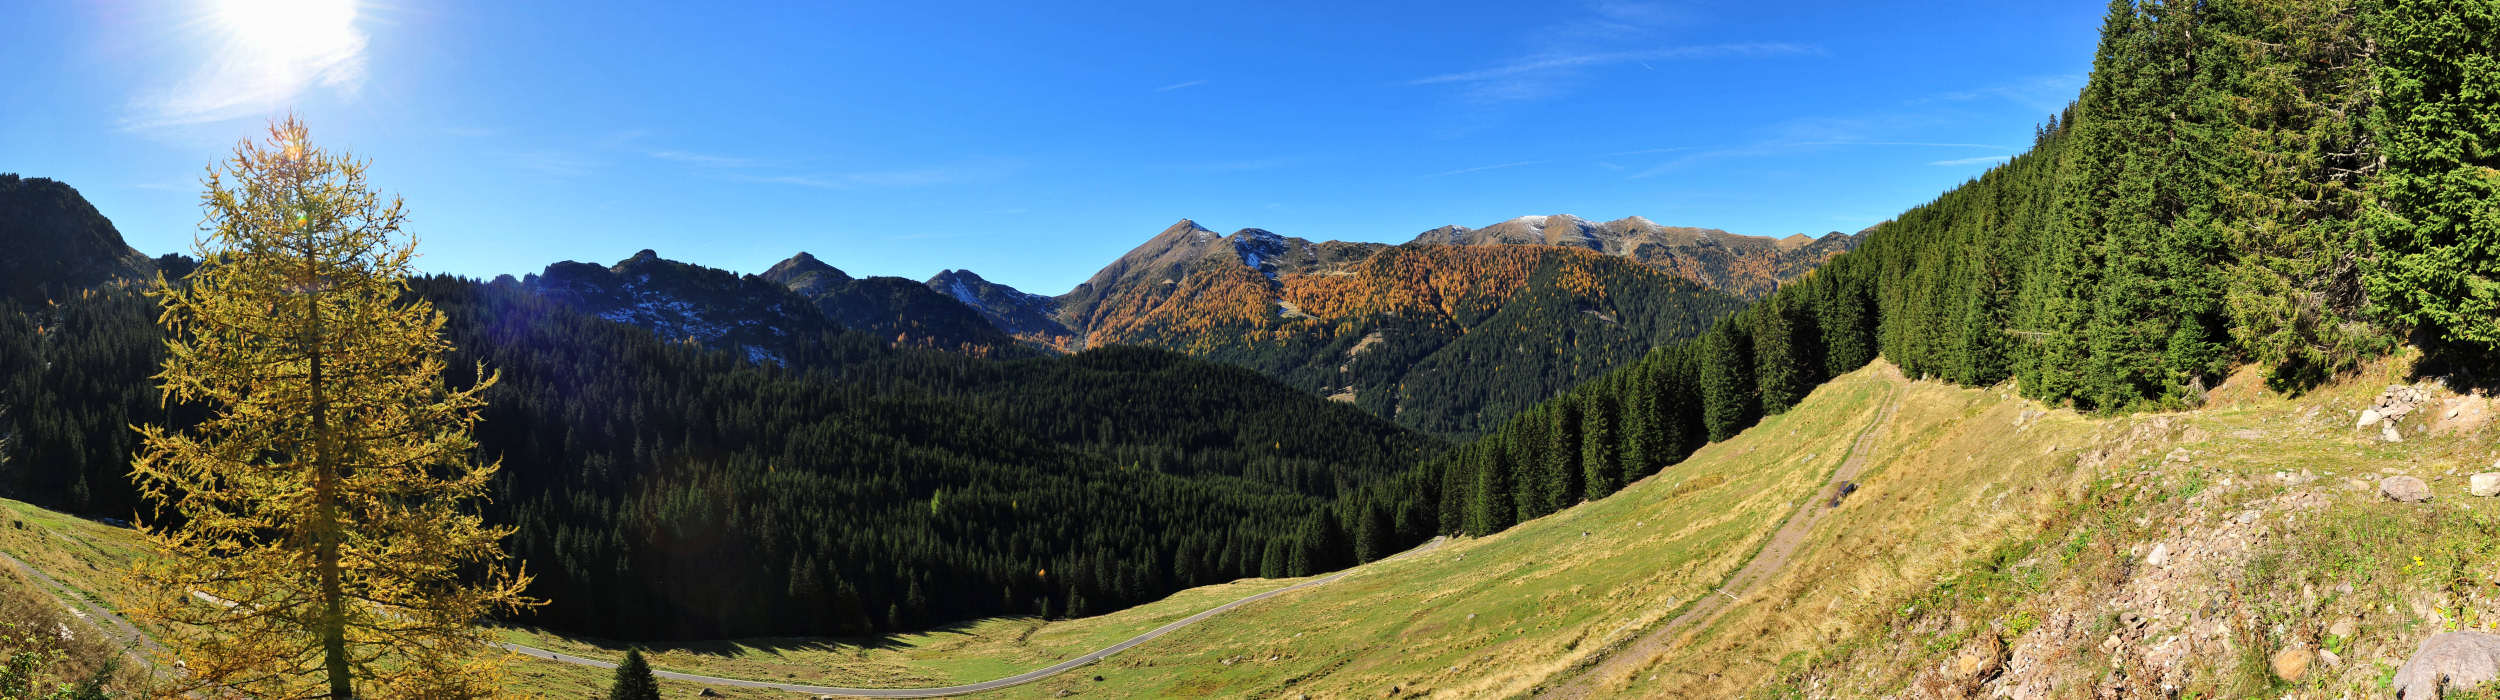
(2449, 661)
(2387, 431)
(2486, 484)
(1981, 662)
(2290, 664)
(2404, 489)
(2159, 556)
(2369, 417)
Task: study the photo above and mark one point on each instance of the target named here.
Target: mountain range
(1450, 333)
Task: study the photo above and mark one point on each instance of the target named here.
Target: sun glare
(289, 29)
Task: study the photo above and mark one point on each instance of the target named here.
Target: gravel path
(133, 642)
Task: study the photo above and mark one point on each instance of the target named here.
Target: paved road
(985, 686)
(1770, 560)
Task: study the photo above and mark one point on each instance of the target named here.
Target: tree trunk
(333, 628)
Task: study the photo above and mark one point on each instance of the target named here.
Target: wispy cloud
(918, 177)
(2041, 93)
(244, 74)
(1777, 147)
(1181, 85)
(552, 163)
(1482, 168)
(1552, 62)
(1244, 165)
(707, 160)
(1990, 160)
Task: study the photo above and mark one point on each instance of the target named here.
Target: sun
(288, 29)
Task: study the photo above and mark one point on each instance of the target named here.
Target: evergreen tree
(1374, 535)
(1728, 400)
(633, 679)
(2436, 220)
(1559, 485)
(1781, 373)
(1601, 452)
(1493, 507)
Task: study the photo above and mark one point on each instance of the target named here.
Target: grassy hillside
(1985, 527)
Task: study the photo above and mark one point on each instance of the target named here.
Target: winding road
(1773, 557)
(984, 686)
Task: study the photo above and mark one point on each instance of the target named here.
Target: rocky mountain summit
(1747, 266)
(908, 313)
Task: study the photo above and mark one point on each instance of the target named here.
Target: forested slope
(2295, 184)
(856, 487)
(1447, 339)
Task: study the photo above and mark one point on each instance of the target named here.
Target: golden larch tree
(317, 535)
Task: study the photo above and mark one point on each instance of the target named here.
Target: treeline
(2298, 184)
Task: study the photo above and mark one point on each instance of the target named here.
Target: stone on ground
(2291, 663)
(2404, 489)
(2486, 484)
(2449, 661)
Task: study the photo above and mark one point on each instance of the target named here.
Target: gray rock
(2404, 489)
(2388, 432)
(2449, 661)
(2486, 484)
(2369, 417)
(2160, 555)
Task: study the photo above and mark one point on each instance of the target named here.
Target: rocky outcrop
(2389, 409)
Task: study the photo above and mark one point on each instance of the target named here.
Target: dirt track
(1773, 557)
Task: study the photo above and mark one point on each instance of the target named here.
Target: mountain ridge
(58, 241)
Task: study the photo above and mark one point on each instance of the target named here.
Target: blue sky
(1034, 142)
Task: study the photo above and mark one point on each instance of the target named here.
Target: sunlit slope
(1994, 546)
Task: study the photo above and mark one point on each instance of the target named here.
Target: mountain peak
(57, 241)
(800, 264)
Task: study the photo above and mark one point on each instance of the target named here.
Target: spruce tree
(1601, 452)
(1726, 378)
(634, 680)
(1492, 509)
(1559, 485)
(2436, 223)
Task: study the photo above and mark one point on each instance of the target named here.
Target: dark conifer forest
(860, 488)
